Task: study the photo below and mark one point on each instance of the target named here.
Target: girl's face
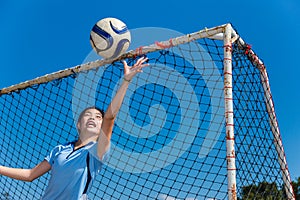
(90, 122)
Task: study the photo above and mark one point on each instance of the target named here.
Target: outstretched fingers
(131, 71)
(141, 60)
(140, 63)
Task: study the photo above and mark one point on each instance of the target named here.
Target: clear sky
(40, 37)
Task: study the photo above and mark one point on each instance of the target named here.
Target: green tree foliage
(268, 191)
(262, 191)
(296, 188)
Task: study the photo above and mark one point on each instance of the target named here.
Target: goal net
(198, 123)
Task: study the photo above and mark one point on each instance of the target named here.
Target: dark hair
(91, 107)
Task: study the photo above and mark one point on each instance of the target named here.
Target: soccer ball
(110, 38)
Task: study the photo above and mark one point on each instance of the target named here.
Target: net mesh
(169, 139)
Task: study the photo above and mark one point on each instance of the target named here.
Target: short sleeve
(96, 163)
(93, 152)
(50, 157)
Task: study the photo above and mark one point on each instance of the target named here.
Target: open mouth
(91, 124)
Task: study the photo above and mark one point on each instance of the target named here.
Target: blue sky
(40, 37)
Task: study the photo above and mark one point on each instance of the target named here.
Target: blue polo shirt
(72, 171)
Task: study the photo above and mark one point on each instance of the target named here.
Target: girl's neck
(84, 141)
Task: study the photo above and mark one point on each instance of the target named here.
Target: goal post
(230, 155)
(198, 123)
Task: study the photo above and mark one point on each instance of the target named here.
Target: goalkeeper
(73, 166)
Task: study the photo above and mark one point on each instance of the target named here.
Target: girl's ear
(78, 126)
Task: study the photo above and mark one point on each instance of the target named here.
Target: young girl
(73, 166)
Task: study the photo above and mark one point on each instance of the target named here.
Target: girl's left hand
(131, 71)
